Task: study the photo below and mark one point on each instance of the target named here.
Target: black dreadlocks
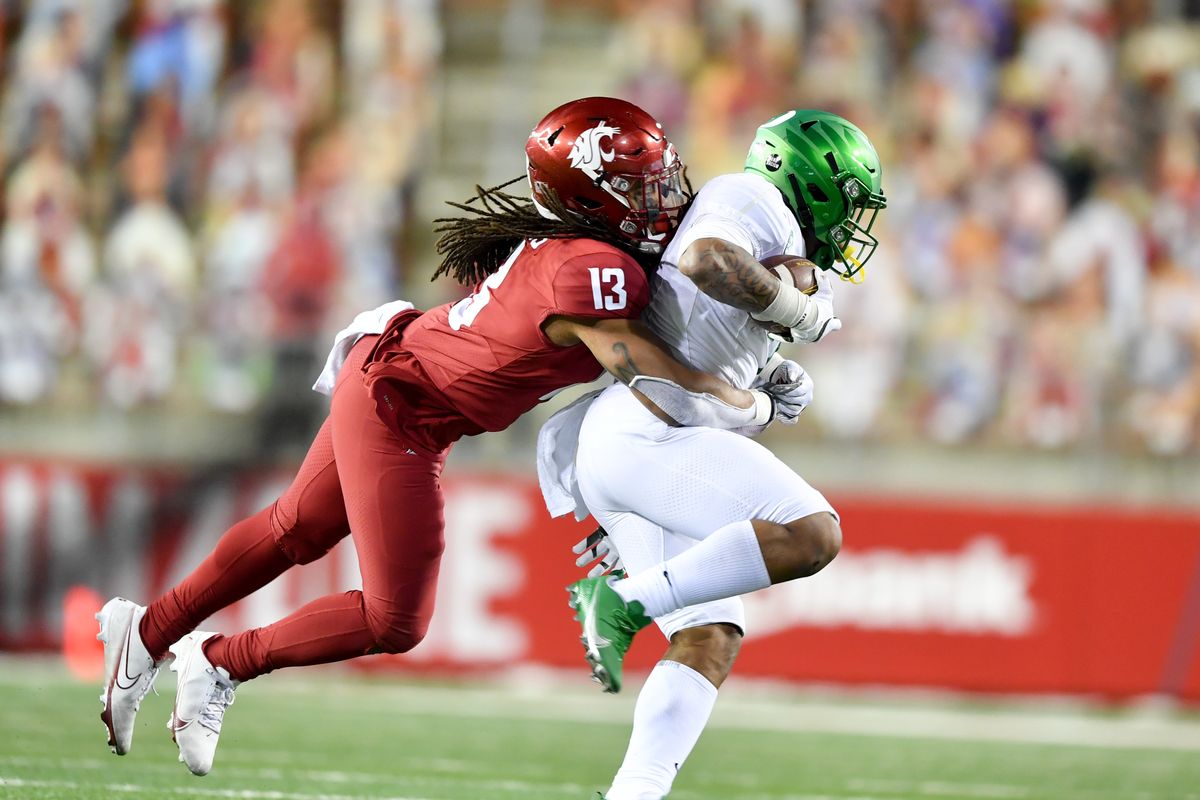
(474, 247)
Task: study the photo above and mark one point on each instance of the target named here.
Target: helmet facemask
(851, 240)
(656, 204)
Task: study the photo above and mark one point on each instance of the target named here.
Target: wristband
(789, 306)
(764, 407)
(768, 369)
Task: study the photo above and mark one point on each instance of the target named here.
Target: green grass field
(341, 737)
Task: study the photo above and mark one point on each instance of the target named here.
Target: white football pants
(658, 490)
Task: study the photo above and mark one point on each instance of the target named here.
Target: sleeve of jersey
(600, 285)
(728, 226)
(742, 210)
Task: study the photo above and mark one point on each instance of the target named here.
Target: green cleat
(609, 624)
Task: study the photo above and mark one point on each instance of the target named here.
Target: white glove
(819, 319)
(790, 388)
(597, 547)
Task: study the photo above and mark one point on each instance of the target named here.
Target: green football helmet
(830, 177)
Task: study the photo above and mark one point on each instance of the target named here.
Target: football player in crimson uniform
(559, 289)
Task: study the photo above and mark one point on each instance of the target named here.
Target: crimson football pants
(360, 479)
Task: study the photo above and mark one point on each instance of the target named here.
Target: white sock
(671, 712)
(726, 564)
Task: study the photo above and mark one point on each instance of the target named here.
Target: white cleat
(204, 693)
(129, 670)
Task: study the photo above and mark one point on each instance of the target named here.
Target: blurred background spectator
(199, 192)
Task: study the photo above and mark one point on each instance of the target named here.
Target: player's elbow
(696, 262)
(815, 541)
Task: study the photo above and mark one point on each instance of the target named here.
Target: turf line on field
(318, 776)
(260, 794)
(999, 791)
(267, 773)
(234, 794)
(785, 716)
(858, 788)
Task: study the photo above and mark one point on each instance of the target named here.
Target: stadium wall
(981, 598)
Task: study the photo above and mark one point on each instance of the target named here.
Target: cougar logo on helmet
(587, 153)
(608, 161)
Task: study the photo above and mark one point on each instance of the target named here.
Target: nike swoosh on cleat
(125, 661)
(179, 669)
(594, 641)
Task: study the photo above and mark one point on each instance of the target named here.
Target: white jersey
(708, 335)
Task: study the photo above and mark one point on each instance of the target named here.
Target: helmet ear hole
(587, 202)
(817, 193)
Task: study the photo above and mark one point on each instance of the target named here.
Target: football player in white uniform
(699, 516)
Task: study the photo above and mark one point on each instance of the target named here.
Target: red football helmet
(609, 160)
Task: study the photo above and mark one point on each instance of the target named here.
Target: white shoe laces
(147, 684)
(220, 697)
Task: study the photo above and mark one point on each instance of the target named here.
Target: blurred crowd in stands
(1039, 278)
(193, 187)
(197, 189)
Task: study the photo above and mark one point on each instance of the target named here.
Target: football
(804, 272)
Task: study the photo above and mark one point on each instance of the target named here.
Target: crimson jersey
(478, 364)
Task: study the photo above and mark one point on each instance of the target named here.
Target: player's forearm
(727, 273)
(629, 350)
(702, 382)
(656, 364)
(679, 395)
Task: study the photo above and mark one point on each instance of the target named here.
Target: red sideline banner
(961, 596)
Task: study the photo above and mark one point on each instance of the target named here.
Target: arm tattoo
(731, 275)
(626, 370)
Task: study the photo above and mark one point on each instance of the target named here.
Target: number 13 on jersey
(608, 288)
(607, 283)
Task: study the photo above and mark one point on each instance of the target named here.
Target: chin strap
(860, 274)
